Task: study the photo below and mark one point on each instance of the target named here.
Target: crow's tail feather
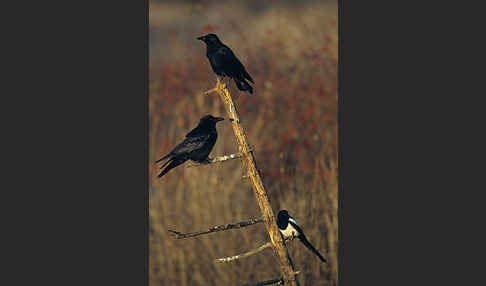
(174, 162)
(163, 158)
(247, 76)
(243, 85)
(165, 164)
(307, 244)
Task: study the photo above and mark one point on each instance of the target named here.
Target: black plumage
(196, 146)
(288, 227)
(225, 63)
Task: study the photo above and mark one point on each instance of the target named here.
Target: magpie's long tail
(173, 162)
(307, 244)
(243, 85)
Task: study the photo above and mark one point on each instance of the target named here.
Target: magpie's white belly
(289, 230)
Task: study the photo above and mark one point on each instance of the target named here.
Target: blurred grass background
(290, 50)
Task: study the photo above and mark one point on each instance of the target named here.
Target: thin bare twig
(249, 253)
(246, 254)
(222, 227)
(217, 159)
(277, 281)
(210, 91)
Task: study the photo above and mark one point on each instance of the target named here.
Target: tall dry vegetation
(291, 52)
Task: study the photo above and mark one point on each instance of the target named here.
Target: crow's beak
(200, 38)
(219, 119)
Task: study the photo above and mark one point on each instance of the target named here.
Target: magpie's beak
(217, 119)
(200, 38)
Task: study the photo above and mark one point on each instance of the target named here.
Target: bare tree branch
(207, 92)
(249, 162)
(217, 159)
(249, 253)
(222, 227)
(246, 254)
(277, 281)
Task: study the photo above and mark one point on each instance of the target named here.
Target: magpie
(225, 63)
(288, 227)
(196, 146)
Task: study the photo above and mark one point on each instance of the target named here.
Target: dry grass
(291, 122)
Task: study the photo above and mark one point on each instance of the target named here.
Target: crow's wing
(247, 76)
(219, 60)
(163, 158)
(195, 132)
(190, 144)
(173, 163)
(225, 57)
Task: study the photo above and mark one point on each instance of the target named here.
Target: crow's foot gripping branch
(220, 84)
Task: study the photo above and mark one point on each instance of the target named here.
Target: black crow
(225, 63)
(196, 147)
(288, 227)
